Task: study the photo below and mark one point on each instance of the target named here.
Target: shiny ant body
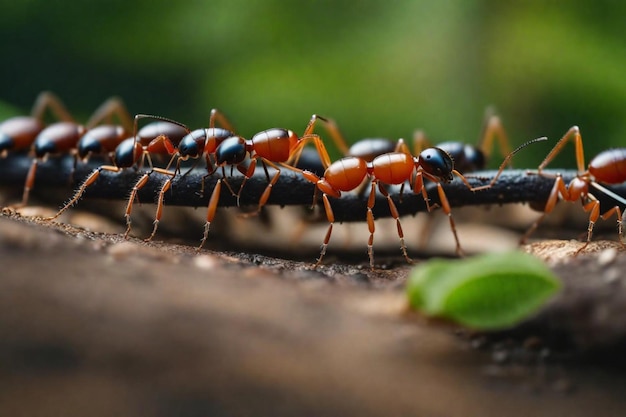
(467, 158)
(393, 168)
(63, 137)
(18, 133)
(276, 147)
(608, 167)
(221, 148)
(152, 140)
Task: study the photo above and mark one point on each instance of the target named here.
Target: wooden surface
(95, 325)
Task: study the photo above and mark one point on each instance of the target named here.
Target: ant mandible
(608, 167)
(393, 168)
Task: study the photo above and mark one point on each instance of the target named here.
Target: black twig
(513, 186)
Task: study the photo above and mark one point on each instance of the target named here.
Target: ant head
(436, 162)
(99, 139)
(127, 153)
(6, 142)
(231, 151)
(192, 144)
(88, 143)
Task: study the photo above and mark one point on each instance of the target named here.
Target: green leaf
(488, 292)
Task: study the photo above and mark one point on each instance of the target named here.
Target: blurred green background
(379, 68)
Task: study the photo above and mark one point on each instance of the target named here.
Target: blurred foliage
(378, 68)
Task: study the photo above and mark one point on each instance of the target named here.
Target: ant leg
(217, 115)
(131, 198)
(247, 174)
(493, 129)
(47, 100)
(309, 176)
(395, 215)
(83, 187)
(371, 200)
(330, 216)
(402, 147)
(112, 107)
(420, 142)
(445, 206)
(616, 210)
(418, 187)
(225, 178)
(268, 189)
(332, 129)
(573, 132)
(593, 207)
(558, 188)
(28, 184)
(210, 215)
(159, 211)
(296, 150)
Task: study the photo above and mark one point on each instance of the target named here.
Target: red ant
(221, 147)
(467, 158)
(156, 138)
(193, 145)
(392, 168)
(608, 167)
(63, 137)
(18, 133)
(272, 147)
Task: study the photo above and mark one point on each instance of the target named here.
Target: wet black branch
(513, 186)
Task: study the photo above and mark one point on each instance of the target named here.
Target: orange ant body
(18, 133)
(193, 144)
(157, 138)
(393, 168)
(63, 137)
(272, 147)
(467, 158)
(608, 167)
(221, 147)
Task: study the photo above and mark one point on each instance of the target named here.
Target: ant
(158, 138)
(18, 133)
(393, 168)
(64, 136)
(608, 167)
(467, 158)
(221, 147)
(192, 145)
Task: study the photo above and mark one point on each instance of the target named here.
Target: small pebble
(607, 256)
(205, 261)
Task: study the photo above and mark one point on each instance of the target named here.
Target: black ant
(608, 167)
